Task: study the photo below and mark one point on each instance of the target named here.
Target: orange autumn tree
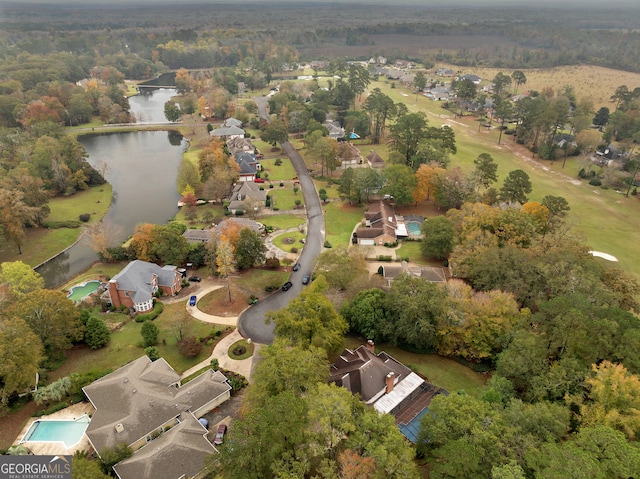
(142, 242)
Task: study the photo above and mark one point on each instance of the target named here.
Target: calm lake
(142, 168)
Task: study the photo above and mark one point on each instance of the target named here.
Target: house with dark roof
(386, 384)
(445, 72)
(246, 194)
(249, 165)
(229, 129)
(144, 405)
(137, 283)
(473, 78)
(439, 93)
(380, 225)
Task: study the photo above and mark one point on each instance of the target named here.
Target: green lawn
(284, 221)
(411, 249)
(283, 241)
(282, 172)
(440, 371)
(340, 219)
(95, 201)
(104, 271)
(205, 214)
(285, 198)
(125, 344)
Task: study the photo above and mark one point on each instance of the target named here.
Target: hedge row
(54, 225)
(157, 309)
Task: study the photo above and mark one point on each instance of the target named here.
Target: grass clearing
(340, 219)
(285, 198)
(282, 172)
(288, 241)
(125, 344)
(95, 201)
(284, 221)
(438, 370)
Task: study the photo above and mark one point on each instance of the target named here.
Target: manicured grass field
(284, 221)
(340, 219)
(210, 211)
(95, 201)
(281, 241)
(281, 172)
(285, 198)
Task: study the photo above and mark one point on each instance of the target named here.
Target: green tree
(515, 188)
(172, 111)
(406, 134)
(380, 108)
(250, 250)
(601, 118)
(84, 468)
(500, 82)
(310, 319)
(51, 316)
(96, 332)
(287, 368)
(275, 132)
(485, 172)
(519, 78)
(343, 268)
(465, 92)
(19, 279)
(438, 239)
(365, 313)
(325, 151)
(413, 307)
(110, 456)
(15, 215)
(399, 182)
(149, 333)
(420, 81)
(20, 356)
(168, 244)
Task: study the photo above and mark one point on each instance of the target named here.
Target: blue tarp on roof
(411, 429)
(354, 136)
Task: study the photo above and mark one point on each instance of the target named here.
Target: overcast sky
(524, 3)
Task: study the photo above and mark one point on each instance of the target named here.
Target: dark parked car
(192, 301)
(195, 279)
(286, 286)
(306, 279)
(296, 266)
(222, 430)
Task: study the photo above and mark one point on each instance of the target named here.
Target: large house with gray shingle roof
(144, 405)
(380, 225)
(138, 282)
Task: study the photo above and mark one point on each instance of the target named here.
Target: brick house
(380, 225)
(137, 283)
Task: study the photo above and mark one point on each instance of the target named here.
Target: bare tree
(102, 236)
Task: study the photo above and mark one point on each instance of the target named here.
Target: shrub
(272, 263)
(152, 352)
(383, 257)
(327, 244)
(239, 213)
(54, 225)
(96, 333)
(84, 217)
(281, 183)
(190, 347)
(595, 182)
(149, 333)
(294, 250)
(271, 185)
(215, 364)
(634, 192)
(157, 309)
(380, 270)
(275, 208)
(278, 161)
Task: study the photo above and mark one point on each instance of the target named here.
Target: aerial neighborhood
(236, 243)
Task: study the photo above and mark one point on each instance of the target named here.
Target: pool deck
(58, 448)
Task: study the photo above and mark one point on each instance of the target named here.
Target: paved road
(251, 323)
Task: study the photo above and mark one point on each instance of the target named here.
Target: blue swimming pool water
(413, 228)
(67, 432)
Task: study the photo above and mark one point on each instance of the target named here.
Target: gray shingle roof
(227, 131)
(137, 276)
(181, 450)
(143, 395)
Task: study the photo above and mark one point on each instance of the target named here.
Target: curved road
(251, 322)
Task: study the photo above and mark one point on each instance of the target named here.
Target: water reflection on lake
(142, 167)
(148, 106)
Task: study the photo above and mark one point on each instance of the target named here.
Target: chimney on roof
(389, 382)
(371, 346)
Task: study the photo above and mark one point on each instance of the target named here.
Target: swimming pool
(51, 430)
(414, 228)
(81, 291)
